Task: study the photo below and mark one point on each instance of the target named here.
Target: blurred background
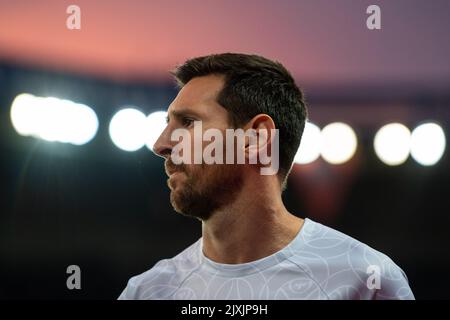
(79, 185)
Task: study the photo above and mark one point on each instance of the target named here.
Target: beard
(204, 189)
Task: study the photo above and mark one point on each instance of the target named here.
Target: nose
(163, 146)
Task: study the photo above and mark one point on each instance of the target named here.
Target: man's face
(198, 190)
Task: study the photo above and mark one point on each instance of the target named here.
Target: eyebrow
(182, 113)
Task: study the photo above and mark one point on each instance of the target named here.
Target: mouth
(171, 169)
(174, 174)
(170, 173)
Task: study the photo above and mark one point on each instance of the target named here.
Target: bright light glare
(427, 144)
(309, 149)
(156, 122)
(339, 143)
(127, 129)
(53, 119)
(392, 143)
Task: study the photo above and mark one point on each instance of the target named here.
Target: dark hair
(255, 85)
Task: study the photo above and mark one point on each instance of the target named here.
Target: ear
(259, 139)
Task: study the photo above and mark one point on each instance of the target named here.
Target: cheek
(202, 173)
(216, 173)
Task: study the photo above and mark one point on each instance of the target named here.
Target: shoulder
(346, 268)
(164, 278)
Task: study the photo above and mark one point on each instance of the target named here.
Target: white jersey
(320, 263)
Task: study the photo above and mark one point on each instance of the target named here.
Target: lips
(172, 168)
(172, 171)
(173, 174)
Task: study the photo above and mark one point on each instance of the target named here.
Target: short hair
(255, 85)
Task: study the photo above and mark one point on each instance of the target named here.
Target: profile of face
(198, 190)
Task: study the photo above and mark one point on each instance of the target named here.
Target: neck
(254, 226)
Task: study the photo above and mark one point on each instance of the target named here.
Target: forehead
(199, 95)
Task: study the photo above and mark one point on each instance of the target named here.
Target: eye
(187, 122)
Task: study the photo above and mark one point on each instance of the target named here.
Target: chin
(175, 201)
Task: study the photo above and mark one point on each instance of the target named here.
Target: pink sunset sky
(318, 40)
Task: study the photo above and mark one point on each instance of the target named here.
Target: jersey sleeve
(130, 291)
(393, 284)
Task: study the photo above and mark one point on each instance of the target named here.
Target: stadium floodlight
(392, 143)
(127, 129)
(156, 122)
(53, 119)
(427, 143)
(310, 144)
(339, 143)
